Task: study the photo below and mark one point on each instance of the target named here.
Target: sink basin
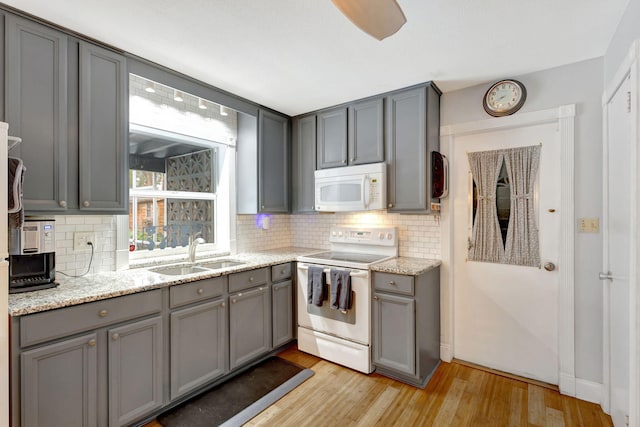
(223, 263)
(179, 270)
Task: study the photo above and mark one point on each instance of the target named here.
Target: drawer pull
(62, 203)
(392, 283)
(115, 337)
(283, 271)
(260, 289)
(200, 291)
(103, 313)
(92, 343)
(251, 279)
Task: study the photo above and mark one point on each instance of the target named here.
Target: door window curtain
(486, 241)
(522, 244)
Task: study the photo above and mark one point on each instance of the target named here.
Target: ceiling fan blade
(378, 18)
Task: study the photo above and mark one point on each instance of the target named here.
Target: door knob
(605, 276)
(549, 266)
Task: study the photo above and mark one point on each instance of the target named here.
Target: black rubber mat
(232, 397)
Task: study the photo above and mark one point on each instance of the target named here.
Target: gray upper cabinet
(198, 345)
(249, 325)
(413, 120)
(366, 132)
(273, 162)
(36, 110)
(304, 163)
(332, 138)
(67, 100)
(103, 145)
(60, 383)
(135, 370)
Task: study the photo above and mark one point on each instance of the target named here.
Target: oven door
(354, 325)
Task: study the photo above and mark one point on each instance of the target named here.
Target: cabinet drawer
(195, 291)
(393, 283)
(248, 279)
(41, 327)
(280, 272)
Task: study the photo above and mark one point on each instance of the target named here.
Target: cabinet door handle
(260, 289)
(62, 203)
(86, 204)
(233, 301)
(92, 343)
(390, 205)
(115, 337)
(375, 297)
(353, 159)
(200, 291)
(392, 283)
(344, 162)
(103, 313)
(223, 305)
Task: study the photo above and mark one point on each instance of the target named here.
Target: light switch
(589, 225)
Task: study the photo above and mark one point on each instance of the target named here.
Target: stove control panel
(376, 236)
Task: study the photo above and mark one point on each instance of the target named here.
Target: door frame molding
(563, 116)
(629, 67)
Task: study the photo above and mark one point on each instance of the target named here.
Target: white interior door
(506, 316)
(620, 188)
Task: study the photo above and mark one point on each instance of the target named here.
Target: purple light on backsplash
(262, 220)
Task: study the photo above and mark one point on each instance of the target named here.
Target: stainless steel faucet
(193, 244)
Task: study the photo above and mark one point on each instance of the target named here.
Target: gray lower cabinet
(135, 370)
(103, 143)
(332, 138)
(198, 346)
(282, 304)
(249, 325)
(304, 164)
(412, 128)
(60, 383)
(406, 325)
(273, 162)
(36, 110)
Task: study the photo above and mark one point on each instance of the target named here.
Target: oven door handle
(353, 273)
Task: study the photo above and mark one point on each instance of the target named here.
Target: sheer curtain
(486, 241)
(522, 244)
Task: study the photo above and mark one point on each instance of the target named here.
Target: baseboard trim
(567, 385)
(589, 390)
(445, 353)
(507, 374)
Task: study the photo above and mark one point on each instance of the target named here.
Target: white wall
(579, 84)
(628, 30)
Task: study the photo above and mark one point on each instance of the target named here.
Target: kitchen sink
(223, 263)
(179, 270)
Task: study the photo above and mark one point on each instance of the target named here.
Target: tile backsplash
(419, 235)
(76, 262)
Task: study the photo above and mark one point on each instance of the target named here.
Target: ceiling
(297, 56)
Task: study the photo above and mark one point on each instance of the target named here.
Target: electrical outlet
(81, 240)
(589, 225)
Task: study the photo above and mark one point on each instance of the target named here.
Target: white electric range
(343, 337)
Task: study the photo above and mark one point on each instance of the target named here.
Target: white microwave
(351, 188)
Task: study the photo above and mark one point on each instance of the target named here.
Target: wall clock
(504, 98)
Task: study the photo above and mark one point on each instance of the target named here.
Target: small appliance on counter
(32, 257)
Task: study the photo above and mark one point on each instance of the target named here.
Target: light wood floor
(457, 395)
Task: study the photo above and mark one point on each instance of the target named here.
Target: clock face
(504, 98)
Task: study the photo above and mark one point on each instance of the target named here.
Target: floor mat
(241, 398)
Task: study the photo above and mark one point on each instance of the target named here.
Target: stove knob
(381, 236)
(339, 233)
(333, 233)
(389, 236)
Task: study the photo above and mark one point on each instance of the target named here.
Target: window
(182, 166)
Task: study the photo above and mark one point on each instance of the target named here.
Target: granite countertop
(407, 266)
(94, 287)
